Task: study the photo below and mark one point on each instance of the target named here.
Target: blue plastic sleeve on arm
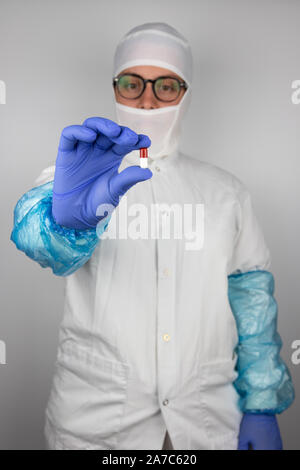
(264, 382)
(36, 233)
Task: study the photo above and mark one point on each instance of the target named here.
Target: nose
(148, 99)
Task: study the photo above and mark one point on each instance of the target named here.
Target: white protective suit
(148, 336)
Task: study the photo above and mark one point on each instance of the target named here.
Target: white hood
(161, 45)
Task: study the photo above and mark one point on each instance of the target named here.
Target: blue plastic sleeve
(264, 382)
(36, 233)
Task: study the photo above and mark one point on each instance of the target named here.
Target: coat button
(166, 337)
(165, 402)
(166, 272)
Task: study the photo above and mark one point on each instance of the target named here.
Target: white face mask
(162, 125)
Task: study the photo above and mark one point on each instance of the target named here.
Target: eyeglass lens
(166, 89)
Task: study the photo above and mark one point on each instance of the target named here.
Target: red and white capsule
(144, 158)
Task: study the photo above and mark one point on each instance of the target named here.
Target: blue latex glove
(260, 431)
(86, 172)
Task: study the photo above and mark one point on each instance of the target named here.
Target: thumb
(121, 182)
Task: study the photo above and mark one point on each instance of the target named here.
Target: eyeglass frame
(152, 81)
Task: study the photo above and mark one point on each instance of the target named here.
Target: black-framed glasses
(131, 86)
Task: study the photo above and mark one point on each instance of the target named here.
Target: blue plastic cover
(36, 233)
(264, 382)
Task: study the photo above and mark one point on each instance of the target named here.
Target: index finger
(71, 135)
(103, 126)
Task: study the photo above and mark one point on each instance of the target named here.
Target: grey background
(56, 60)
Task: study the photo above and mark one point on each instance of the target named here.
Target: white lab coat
(147, 337)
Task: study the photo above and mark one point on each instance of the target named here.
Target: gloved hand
(261, 431)
(86, 172)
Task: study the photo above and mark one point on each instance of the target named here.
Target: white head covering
(160, 45)
(155, 44)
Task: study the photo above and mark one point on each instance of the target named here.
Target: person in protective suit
(168, 340)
